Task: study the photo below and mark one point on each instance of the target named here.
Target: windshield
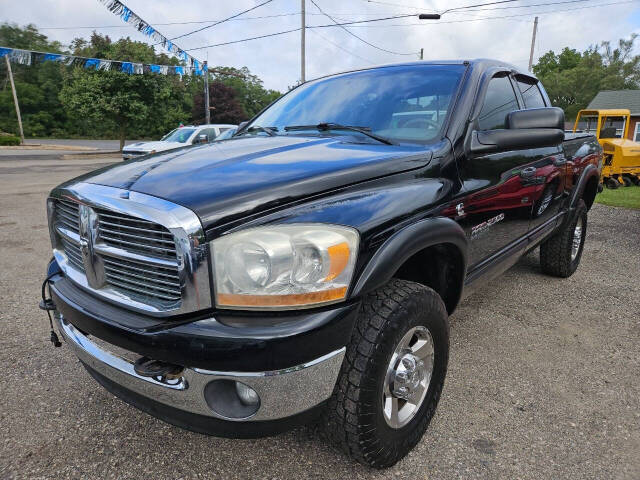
(612, 127)
(403, 103)
(226, 134)
(180, 135)
(587, 123)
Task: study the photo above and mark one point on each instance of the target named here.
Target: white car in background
(180, 137)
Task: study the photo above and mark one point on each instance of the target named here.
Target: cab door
(546, 184)
(495, 204)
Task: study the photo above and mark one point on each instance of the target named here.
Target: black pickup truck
(306, 267)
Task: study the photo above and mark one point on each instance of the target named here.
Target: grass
(628, 197)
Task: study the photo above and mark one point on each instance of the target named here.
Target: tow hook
(147, 367)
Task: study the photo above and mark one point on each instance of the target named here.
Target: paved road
(99, 144)
(48, 154)
(543, 380)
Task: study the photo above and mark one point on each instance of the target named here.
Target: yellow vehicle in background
(621, 159)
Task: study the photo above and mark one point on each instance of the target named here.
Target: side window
(194, 140)
(531, 95)
(211, 133)
(498, 102)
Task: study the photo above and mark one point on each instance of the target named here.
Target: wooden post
(207, 110)
(303, 27)
(15, 99)
(533, 42)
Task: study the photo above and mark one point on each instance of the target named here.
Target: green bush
(9, 140)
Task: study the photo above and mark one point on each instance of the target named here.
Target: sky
(467, 33)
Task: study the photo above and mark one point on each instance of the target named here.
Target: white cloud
(277, 60)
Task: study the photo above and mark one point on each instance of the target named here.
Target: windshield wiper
(337, 126)
(268, 130)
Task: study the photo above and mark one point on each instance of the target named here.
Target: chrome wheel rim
(577, 239)
(408, 377)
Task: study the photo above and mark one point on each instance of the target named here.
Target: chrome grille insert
(135, 234)
(73, 254)
(140, 279)
(67, 215)
(152, 258)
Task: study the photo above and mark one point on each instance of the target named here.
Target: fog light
(231, 399)
(247, 395)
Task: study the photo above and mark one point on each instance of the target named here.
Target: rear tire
(394, 322)
(560, 255)
(612, 183)
(626, 181)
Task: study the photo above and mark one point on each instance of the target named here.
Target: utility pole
(207, 110)
(422, 54)
(303, 27)
(533, 42)
(15, 99)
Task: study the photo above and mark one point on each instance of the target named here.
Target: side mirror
(202, 138)
(532, 128)
(550, 117)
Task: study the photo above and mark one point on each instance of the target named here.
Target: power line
(340, 47)
(356, 36)
(191, 22)
(196, 22)
(465, 7)
(247, 39)
(530, 5)
(222, 21)
(477, 19)
(310, 26)
(445, 11)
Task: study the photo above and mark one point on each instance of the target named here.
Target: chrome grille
(135, 234)
(67, 215)
(152, 259)
(141, 279)
(139, 260)
(67, 218)
(72, 250)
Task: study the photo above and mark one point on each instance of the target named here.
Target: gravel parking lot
(544, 375)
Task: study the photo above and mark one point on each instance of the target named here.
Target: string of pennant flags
(30, 57)
(127, 15)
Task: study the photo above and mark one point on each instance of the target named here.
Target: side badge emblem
(460, 209)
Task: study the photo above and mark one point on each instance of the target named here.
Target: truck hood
(231, 179)
(158, 146)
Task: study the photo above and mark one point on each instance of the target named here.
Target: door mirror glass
(201, 138)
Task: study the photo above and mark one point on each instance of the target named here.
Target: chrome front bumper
(283, 393)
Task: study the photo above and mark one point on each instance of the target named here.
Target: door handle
(528, 172)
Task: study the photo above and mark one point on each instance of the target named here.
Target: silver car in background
(180, 137)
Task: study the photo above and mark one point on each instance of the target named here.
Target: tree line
(60, 101)
(572, 78)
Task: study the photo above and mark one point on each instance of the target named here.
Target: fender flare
(589, 172)
(405, 243)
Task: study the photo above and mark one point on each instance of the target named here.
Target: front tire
(560, 255)
(392, 375)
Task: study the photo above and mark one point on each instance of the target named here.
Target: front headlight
(284, 266)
